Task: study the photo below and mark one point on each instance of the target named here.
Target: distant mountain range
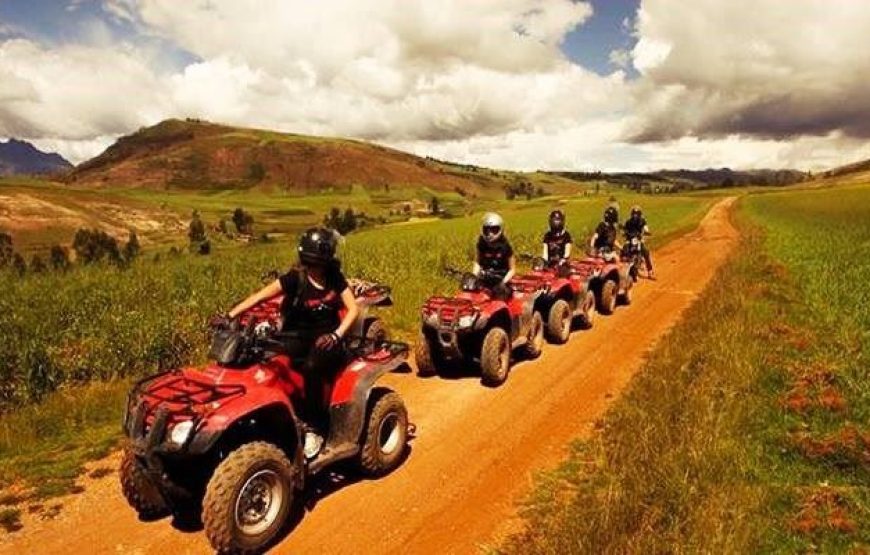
(676, 180)
(20, 157)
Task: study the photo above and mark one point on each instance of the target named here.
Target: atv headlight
(467, 321)
(180, 432)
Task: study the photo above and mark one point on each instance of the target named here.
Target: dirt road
(475, 450)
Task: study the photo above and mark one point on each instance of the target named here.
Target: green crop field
(748, 430)
(72, 340)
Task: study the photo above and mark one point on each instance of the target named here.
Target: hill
(192, 154)
(20, 157)
(678, 180)
(855, 167)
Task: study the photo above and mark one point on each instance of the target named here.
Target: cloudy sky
(525, 84)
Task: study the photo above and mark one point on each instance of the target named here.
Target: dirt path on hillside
(475, 451)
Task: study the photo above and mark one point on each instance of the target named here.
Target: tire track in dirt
(475, 451)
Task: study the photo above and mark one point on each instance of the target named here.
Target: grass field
(748, 429)
(73, 341)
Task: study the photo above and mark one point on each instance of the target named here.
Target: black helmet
(611, 215)
(557, 221)
(636, 211)
(317, 246)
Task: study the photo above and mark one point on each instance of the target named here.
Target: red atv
(478, 324)
(226, 439)
(607, 277)
(569, 295)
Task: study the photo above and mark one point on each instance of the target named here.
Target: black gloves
(327, 342)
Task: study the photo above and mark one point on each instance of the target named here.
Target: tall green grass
(747, 430)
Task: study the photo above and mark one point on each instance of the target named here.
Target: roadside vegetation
(74, 340)
(748, 430)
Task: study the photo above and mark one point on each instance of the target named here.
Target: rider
(604, 239)
(495, 256)
(557, 240)
(636, 226)
(314, 292)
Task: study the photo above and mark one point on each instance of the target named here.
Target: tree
(435, 206)
(6, 251)
(18, 264)
(244, 221)
(37, 265)
(93, 245)
(58, 258)
(132, 248)
(348, 222)
(196, 229)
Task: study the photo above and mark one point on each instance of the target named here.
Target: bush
(244, 221)
(132, 248)
(37, 264)
(6, 250)
(93, 245)
(59, 258)
(196, 229)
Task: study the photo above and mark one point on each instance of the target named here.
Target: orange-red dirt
(475, 451)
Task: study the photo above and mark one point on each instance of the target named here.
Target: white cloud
(74, 92)
(742, 84)
(766, 69)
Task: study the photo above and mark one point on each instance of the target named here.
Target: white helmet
(492, 228)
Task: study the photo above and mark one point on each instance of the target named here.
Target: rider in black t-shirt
(495, 256)
(557, 241)
(604, 240)
(636, 226)
(314, 293)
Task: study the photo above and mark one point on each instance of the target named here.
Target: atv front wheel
(385, 436)
(248, 498)
(376, 331)
(559, 322)
(138, 489)
(495, 357)
(588, 315)
(425, 356)
(607, 298)
(535, 342)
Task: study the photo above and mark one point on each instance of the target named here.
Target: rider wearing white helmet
(495, 256)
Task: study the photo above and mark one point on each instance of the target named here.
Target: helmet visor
(491, 231)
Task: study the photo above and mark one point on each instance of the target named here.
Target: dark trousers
(319, 370)
(645, 252)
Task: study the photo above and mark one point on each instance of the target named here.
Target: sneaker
(313, 443)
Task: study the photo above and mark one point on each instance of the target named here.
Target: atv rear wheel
(248, 498)
(607, 298)
(559, 322)
(426, 357)
(138, 489)
(376, 331)
(535, 343)
(495, 357)
(386, 434)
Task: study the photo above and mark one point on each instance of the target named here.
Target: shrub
(59, 258)
(93, 245)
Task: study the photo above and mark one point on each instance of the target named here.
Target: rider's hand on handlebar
(220, 320)
(327, 342)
